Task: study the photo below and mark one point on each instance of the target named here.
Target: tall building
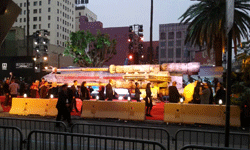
(172, 46)
(146, 52)
(83, 11)
(53, 15)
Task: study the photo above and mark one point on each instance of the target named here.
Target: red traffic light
(130, 57)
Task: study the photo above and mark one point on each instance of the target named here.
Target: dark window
(40, 26)
(40, 18)
(24, 19)
(57, 3)
(57, 18)
(80, 14)
(34, 26)
(34, 11)
(49, 1)
(48, 25)
(178, 52)
(170, 43)
(157, 52)
(35, 3)
(57, 34)
(163, 36)
(178, 43)
(57, 26)
(24, 12)
(40, 3)
(170, 53)
(163, 44)
(49, 9)
(58, 11)
(40, 10)
(163, 53)
(178, 34)
(49, 17)
(21, 4)
(34, 18)
(20, 19)
(170, 35)
(24, 4)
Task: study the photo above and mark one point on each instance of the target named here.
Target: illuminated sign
(4, 66)
(24, 65)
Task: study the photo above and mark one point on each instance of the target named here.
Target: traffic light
(130, 28)
(140, 28)
(141, 36)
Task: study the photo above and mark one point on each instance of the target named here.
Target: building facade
(172, 46)
(84, 11)
(146, 52)
(121, 35)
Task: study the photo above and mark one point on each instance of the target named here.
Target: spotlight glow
(120, 98)
(51, 96)
(129, 98)
(181, 100)
(25, 95)
(220, 101)
(97, 97)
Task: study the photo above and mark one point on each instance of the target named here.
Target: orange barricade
(136, 111)
(200, 113)
(18, 106)
(88, 109)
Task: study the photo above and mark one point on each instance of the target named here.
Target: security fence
(11, 138)
(210, 138)
(41, 140)
(195, 147)
(135, 132)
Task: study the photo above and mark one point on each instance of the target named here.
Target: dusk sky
(119, 13)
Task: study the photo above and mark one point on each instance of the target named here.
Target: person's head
(75, 82)
(37, 82)
(174, 83)
(111, 81)
(148, 85)
(13, 80)
(7, 80)
(205, 85)
(83, 83)
(43, 79)
(136, 84)
(64, 87)
(218, 84)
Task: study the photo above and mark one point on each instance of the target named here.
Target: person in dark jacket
(6, 92)
(148, 100)
(44, 90)
(101, 92)
(196, 95)
(109, 91)
(137, 92)
(75, 94)
(63, 105)
(85, 95)
(220, 94)
(174, 95)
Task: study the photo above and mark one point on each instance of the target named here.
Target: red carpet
(157, 111)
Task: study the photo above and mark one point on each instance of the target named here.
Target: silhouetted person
(63, 105)
(101, 93)
(85, 95)
(75, 93)
(44, 90)
(6, 92)
(137, 92)
(148, 100)
(109, 91)
(174, 95)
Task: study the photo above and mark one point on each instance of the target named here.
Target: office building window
(40, 26)
(170, 35)
(40, 18)
(35, 3)
(49, 9)
(48, 25)
(34, 18)
(178, 34)
(178, 52)
(170, 53)
(57, 26)
(24, 19)
(49, 1)
(163, 36)
(57, 34)
(34, 11)
(24, 4)
(24, 12)
(163, 44)
(49, 17)
(21, 4)
(80, 14)
(57, 3)
(58, 11)
(20, 19)
(21, 12)
(163, 53)
(34, 26)
(57, 42)
(170, 43)
(178, 43)
(57, 18)
(40, 3)
(40, 10)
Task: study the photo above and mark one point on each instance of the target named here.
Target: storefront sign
(24, 65)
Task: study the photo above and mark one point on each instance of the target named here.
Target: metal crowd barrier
(27, 125)
(51, 140)
(194, 147)
(136, 132)
(210, 138)
(11, 138)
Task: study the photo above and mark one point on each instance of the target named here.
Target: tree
(89, 50)
(207, 21)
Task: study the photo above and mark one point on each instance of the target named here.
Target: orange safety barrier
(113, 109)
(200, 113)
(18, 106)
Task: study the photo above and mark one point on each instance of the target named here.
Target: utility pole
(151, 34)
(28, 26)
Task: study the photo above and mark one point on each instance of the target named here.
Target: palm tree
(207, 21)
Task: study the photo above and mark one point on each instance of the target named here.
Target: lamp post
(151, 33)
(28, 25)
